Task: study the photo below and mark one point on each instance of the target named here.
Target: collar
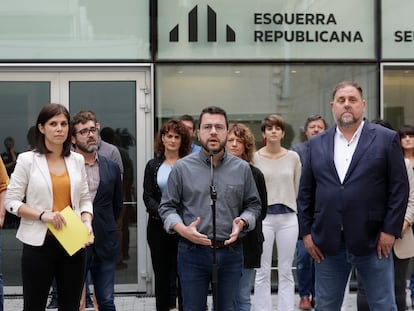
(95, 160)
(356, 134)
(206, 159)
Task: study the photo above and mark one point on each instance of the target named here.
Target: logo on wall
(211, 27)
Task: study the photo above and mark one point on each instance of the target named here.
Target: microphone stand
(213, 195)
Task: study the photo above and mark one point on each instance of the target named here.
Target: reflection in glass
(250, 92)
(114, 103)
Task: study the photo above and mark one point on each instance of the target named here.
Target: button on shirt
(92, 171)
(344, 150)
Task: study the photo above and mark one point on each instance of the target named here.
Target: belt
(215, 245)
(155, 217)
(220, 244)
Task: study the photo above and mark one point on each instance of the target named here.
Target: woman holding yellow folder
(44, 182)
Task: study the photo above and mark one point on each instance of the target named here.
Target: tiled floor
(134, 303)
(145, 303)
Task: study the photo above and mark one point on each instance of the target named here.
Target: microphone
(213, 199)
(213, 192)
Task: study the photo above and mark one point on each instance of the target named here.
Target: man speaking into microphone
(186, 209)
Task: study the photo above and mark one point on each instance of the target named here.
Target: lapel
(328, 148)
(72, 171)
(101, 177)
(367, 137)
(40, 161)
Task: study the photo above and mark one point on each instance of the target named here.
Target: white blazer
(404, 247)
(32, 183)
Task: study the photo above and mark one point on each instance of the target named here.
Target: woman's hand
(55, 218)
(87, 221)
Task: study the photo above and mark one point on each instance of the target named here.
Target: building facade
(137, 63)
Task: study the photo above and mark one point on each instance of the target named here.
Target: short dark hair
(312, 118)
(48, 112)
(383, 123)
(82, 117)
(273, 120)
(108, 134)
(187, 117)
(406, 130)
(8, 139)
(213, 110)
(343, 84)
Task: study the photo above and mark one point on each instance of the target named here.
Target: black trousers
(40, 264)
(163, 247)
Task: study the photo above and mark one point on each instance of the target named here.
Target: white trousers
(284, 229)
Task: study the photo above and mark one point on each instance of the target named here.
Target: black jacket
(253, 240)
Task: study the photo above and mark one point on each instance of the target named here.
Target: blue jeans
(103, 277)
(305, 269)
(195, 263)
(377, 276)
(245, 290)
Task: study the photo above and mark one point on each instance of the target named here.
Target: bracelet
(41, 214)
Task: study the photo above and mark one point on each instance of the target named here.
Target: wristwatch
(245, 223)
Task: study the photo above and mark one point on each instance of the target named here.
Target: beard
(214, 150)
(87, 148)
(347, 121)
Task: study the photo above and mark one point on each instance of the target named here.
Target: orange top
(61, 191)
(4, 178)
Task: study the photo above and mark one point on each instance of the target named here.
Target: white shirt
(344, 150)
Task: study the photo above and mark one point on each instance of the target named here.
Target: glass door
(398, 93)
(122, 101)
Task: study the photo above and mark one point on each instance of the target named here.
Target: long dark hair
(179, 127)
(48, 112)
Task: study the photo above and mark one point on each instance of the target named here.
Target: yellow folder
(74, 234)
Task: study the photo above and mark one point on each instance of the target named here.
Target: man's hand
(238, 226)
(385, 243)
(313, 250)
(190, 233)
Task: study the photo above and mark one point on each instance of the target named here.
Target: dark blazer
(107, 206)
(372, 198)
(253, 240)
(152, 193)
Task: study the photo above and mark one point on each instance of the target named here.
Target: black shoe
(53, 304)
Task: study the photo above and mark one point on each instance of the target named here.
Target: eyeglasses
(85, 132)
(208, 127)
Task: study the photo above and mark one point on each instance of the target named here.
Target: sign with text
(266, 29)
(397, 30)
